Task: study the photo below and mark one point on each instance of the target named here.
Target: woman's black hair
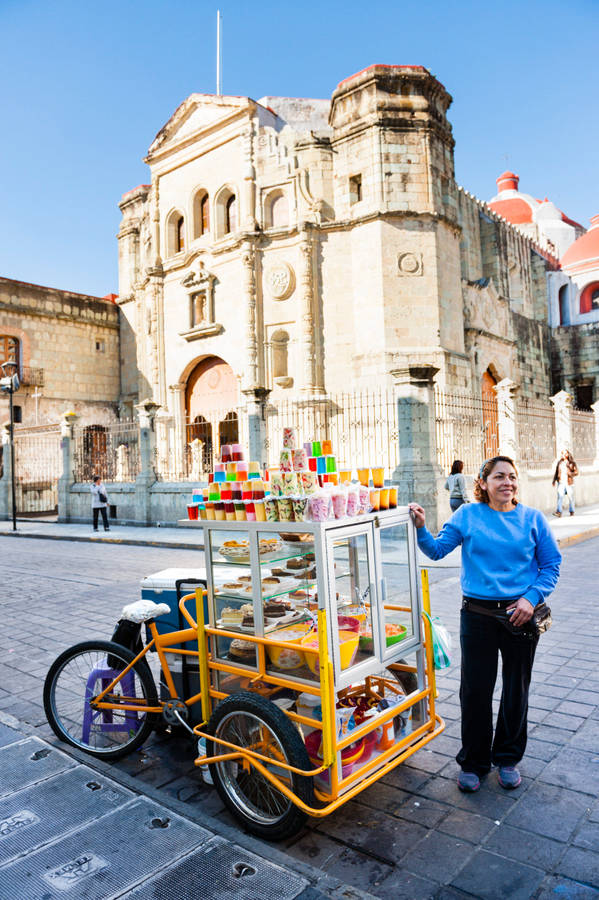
(457, 466)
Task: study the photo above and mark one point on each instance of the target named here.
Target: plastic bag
(441, 643)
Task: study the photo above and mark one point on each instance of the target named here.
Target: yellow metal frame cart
(316, 663)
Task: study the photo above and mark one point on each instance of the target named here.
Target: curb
(133, 542)
(578, 538)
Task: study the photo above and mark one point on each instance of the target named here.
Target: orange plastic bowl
(283, 658)
(348, 646)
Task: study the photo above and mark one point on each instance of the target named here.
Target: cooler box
(161, 587)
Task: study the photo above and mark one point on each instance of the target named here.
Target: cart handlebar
(185, 612)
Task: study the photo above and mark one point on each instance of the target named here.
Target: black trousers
(482, 639)
(95, 511)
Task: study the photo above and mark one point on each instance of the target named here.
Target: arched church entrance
(211, 401)
(490, 414)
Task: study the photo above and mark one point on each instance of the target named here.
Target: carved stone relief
(280, 280)
(409, 264)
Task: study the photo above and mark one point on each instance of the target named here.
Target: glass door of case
(352, 611)
(398, 588)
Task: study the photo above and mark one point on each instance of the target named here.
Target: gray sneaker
(468, 782)
(509, 777)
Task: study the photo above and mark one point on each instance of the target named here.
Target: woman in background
(99, 502)
(456, 485)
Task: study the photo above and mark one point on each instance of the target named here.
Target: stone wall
(71, 342)
(575, 357)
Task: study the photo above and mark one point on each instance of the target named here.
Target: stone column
(248, 258)
(256, 407)
(67, 476)
(247, 206)
(562, 408)
(595, 408)
(417, 472)
(178, 409)
(5, 494)
(506, 418)
(146, 412)
(306, 296)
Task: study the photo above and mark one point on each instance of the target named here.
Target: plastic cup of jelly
(378, 477)
(364, 476)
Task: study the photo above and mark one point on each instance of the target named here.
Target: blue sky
(84, 87)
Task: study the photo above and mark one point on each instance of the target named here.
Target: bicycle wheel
(81, 673)
(250, 721)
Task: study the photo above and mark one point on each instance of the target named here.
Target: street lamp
(10, 383)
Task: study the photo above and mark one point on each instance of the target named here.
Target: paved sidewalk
(567, 530)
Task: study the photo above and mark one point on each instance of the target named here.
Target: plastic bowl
(283, 658)
(349, 756)
(348, 647)
(366, 639)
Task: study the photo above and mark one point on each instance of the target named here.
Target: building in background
(296, 248)
(66, 346)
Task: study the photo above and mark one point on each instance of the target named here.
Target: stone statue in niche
(198, 309)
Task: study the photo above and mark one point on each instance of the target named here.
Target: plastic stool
(106, 675)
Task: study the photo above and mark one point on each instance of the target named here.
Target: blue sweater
(505, 555)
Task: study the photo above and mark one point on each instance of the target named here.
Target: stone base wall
(168, 502)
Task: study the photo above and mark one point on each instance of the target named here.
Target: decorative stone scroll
(280, 280)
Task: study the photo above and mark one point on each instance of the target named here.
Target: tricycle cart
(316, 664)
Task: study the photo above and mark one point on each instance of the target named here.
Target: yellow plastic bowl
(283, 658)
(348, 645)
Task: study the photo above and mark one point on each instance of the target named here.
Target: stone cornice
(94, 320)
(488, 334)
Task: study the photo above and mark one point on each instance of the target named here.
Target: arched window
(277, 211)
(231, 214)
(180, 236)
(279, 343)
(228, 430)
(175, 233)
(201, 214)
(202, 429)
(564, 305)
(589, 298)
(9, 349)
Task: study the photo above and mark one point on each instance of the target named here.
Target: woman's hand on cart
(418, 515)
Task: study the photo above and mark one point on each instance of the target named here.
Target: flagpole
(218, 64)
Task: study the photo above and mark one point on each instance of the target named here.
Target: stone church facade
(295, 248)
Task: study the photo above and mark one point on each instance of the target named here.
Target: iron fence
(110, 451)
(188, 451)
(584, 436)
(535, 434)
(362, 427)
(467, 428)
(38, 466)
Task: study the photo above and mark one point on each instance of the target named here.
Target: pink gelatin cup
(339, 499)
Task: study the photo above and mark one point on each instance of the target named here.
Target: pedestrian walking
(510, 563)
(566, 471)
(456, 485)
(99, 502)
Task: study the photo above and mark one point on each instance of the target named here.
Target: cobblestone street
(411, 836)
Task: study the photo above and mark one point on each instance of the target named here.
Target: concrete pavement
(411, 836)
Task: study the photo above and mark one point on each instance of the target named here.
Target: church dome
(584, 253)
(514, 206)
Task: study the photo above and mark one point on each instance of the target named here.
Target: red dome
(515, 210)
(584, 253)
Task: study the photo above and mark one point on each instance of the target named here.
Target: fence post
(506, 417)
(562, 408)
(595, 408)
(66, 477)
(5, 481)
(257, 399)
(146, 413)
(417, 472)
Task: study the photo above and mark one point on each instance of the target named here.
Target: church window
(18, 414)
(201, 214)
(231, 214)
(280, 356)
(276, 210)
(175, 233)
(180, 236)
(100, 346)
(589, 298)
(564, 305)
(355, 189)
(583, 396)
(9, 349)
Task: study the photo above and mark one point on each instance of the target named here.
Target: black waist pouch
(540, 623)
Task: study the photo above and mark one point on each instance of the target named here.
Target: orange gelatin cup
(375, 500)
(344, 475)
(364, 477)
(392, 498)
(378, 477)
(385, 498)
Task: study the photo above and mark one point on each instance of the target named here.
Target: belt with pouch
(540, 622)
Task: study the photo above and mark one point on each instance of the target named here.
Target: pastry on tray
(230, 616)
(279, 572)
(299, 595)
(233, 586)
(244, 651)
(295, 563)
(248, 621)
(271, 580)
(245, 578)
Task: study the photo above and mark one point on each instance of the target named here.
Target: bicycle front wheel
(80, 674)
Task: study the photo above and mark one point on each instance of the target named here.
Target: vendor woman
(510, 563)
